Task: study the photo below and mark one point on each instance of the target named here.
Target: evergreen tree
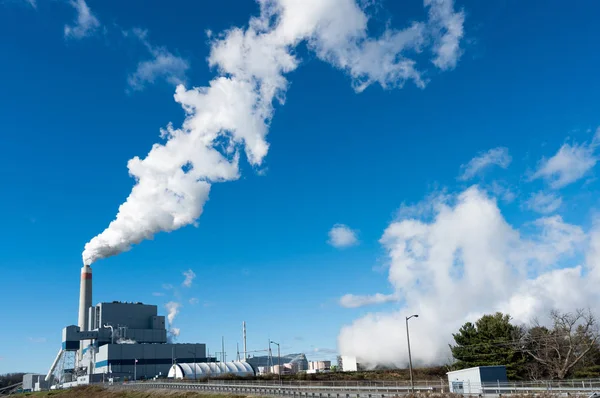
(492, 340)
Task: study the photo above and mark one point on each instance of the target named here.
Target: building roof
(476, 367)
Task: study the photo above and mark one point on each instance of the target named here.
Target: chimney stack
(85, 300)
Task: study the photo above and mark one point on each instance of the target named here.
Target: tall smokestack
(85, 300)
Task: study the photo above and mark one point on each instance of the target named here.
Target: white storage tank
(210, 369)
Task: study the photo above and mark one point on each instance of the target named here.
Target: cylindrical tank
(85, 299)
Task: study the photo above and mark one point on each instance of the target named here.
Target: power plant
(119, 340)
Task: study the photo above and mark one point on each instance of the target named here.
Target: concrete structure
(34, 382)
(476, 380)
(319, 365)
(204, 370)
(85, 302)
(349, 363)
(290, 368)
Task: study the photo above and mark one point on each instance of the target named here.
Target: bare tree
(559, 349)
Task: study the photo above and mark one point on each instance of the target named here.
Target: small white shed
(476, 380)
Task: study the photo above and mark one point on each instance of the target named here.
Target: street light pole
(278, 361)
(412, 384)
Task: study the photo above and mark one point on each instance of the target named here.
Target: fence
(369, 389)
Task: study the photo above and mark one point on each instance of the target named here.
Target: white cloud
(342, 236)
(164, 65)
(172, 310)
(85, 23)
(353, 301)
(32, 3)
(37, 340)
(544, 202)
(502, 191)
(449, 32)
(194, 301)
(233, 112)
(158, 294)
(468, 261)
(494, 157)
(189, 278)
(167, 286)
(570, 163)
(329, 351)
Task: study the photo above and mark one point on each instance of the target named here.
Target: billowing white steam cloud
(234, 111)
(456, 258)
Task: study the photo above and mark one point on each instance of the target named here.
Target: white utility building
(477, 380)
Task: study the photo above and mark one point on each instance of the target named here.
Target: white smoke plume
(456, 258)
(173, 334)
(172, 309)
(233, 112)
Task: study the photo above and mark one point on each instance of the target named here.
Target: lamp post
(278, 361)
(194, 354)
(412, 384)
(134, 369)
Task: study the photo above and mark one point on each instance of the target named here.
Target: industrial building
(476, 380)
(318, 366)
(128, 341)
(34, 382)
(117, 340)
(348, 363)
(291, 363)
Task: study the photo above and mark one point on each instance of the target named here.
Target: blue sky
(80, 97)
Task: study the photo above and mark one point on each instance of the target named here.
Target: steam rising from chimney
(232, 114)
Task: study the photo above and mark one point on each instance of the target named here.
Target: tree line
(568, 348)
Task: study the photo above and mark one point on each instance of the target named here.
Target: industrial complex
(128, 341)
(117, 340)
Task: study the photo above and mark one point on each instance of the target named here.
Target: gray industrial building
(34, 382)
(118, 340)
(126, 340)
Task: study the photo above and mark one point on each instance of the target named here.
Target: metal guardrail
(315, 391)
(357, 389)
